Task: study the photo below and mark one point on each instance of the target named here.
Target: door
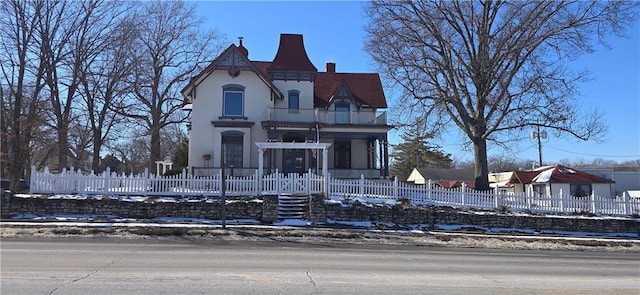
(293, 161)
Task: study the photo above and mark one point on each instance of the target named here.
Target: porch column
(381, 151)
(260, 168)
(325, 169)
(325, 161)
(386, 158)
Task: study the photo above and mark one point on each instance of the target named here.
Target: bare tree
(492, 68)
(21, 83)
(105, 72)
(168, 50)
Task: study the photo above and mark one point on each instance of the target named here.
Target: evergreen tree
(416, 152)
(181, 155)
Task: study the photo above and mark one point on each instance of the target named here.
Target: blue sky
(334, 32)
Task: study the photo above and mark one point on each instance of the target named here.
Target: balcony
(327, 117)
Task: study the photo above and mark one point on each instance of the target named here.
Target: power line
(595, 155)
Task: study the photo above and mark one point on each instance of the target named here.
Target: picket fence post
(105, 176)
(361, 186)
(625, 200)
(146, 180)
(257, 183)
(593, 202)
(277, 182)
(463, 191)
(395, 187)
(561, 202)
(184, 182)
(429, 191)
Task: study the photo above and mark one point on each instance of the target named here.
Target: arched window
(232, 142)
(233, 100)
(294, 101)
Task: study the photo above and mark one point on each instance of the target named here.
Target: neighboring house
(48, 157)
(236, 102)
(625, 180)
(551, 180)
(443, 177)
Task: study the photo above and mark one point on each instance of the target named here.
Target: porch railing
(328, 117)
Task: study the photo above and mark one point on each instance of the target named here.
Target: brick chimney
(242, 49)
(331, 67)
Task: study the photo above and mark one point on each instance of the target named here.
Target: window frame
(342, 154)
(339, 113)
(296, 94)
(579, 186)
(232, 142)
(232, 89)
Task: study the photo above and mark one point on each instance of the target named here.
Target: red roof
(262, 66)
(454, 183)
(525, 176)
(559, 174)
(365, 88)
(291, 55)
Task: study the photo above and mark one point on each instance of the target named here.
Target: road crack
(315, 287)
(94, 272)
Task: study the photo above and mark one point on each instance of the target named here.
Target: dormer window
(342, 114)
(233, 101)
(294, 101)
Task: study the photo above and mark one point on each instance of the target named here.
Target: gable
(233, 60)
(365, 89)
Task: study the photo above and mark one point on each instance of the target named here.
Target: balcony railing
(327, 117)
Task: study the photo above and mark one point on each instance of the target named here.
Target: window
(294, 101)
(342, 155)
(233, 102)
(539, 190)
(342, 114)
(232, 144)
(580, 189)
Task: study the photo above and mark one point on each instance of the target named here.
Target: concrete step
(292, 206)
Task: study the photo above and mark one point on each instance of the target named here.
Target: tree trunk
(97, 145)
(481, 167)
(62, 147)
(155, 148)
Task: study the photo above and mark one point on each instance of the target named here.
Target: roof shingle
(365, 87)
(291, 55)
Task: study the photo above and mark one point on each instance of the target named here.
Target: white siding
(207, 107)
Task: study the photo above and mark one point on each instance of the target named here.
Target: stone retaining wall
(430, 216)
(265, 211)
(238, 209)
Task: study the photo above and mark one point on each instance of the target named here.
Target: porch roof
(294, 145)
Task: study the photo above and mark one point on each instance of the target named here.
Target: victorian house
(238, 104)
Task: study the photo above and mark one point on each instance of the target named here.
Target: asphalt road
(153, 266)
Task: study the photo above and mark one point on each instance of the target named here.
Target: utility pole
(539, 135)
(223, 188)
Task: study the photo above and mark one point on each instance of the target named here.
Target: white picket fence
(107, 183)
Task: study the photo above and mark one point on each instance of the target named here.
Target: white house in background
(236, 102)
(443, 177)
(551, 180)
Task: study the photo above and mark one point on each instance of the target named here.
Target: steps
(292, 206)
